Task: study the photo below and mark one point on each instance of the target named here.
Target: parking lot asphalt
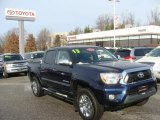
(18, 103)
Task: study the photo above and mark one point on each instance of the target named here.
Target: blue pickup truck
(92, 78)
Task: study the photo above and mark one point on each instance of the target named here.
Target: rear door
(48, 75)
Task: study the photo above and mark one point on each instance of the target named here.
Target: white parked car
(153, 59)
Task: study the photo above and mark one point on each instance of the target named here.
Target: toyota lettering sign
(16, 14)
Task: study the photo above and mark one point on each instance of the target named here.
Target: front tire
(88, 106)
(5, 74)
(36, 88)
(25, 73)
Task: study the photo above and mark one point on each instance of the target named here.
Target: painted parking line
(13, 84)
(27, 86)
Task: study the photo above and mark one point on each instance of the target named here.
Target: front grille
(134, 76)
(18, 65)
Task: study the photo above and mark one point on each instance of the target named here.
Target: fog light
(111, 97)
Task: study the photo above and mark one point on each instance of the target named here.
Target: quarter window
(50, 57)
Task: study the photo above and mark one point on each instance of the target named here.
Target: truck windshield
(92, 54)
(12, 57)
(154, 53)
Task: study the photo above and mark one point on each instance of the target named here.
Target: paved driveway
(18, 103)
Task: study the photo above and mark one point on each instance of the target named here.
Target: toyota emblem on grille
(140, 75)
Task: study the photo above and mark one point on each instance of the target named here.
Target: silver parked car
(12, 63)
(34, 56)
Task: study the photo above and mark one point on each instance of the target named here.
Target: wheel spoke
(85, 105)
(34, 87)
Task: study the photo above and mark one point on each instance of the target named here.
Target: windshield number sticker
(76, 51)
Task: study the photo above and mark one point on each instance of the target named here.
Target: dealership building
(127, 37)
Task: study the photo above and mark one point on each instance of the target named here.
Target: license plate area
(142, 89)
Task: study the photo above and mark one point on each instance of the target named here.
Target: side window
(50, 57)
(63, 57)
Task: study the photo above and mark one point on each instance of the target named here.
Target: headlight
(156, 66)
(110, 78)
(9, 65)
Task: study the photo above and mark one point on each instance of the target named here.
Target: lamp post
(114, 22)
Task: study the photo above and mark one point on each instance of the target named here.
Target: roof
(35, 52)
(72, 47)
(11, 54)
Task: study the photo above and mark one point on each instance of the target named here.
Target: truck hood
(117, 66)
(122, 65)
(16, 62)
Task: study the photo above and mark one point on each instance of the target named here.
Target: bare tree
(128, 20)
(154, 17)
(2, 44)
(104, 22)
(43, 39)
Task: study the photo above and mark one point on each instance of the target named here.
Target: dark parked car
(132, 54)
(12, 63)
(92, 78)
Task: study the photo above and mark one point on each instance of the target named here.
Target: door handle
(62, 73)
(53, 69)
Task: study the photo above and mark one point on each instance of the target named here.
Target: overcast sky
(65, 15)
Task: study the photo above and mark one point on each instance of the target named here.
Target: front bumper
(130, 93)
(16, 69)
(137, 97)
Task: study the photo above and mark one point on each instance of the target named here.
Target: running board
(61, 95)
(55, 93)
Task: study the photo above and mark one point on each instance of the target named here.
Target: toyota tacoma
(92, 78)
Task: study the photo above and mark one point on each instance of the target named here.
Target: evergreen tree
(57, 41)
(87, 29)
(30, 44)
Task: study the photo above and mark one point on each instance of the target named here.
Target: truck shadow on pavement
(12, 75)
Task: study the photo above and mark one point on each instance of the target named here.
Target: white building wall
(119, 32)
